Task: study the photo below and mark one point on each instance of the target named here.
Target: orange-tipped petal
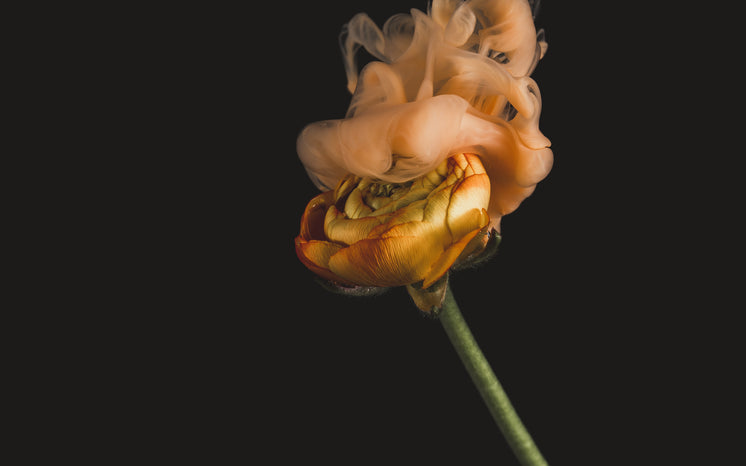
(312, 221)
(450, 255)
(315, 256)
(471, 193)
(393, 261)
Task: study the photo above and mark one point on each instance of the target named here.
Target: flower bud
(369, 233)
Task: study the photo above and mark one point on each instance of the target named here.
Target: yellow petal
(385, 262)
(413, 213)
(449, 256)
(315, 256)
(430, 234)
(339, 228)
(413, 195)
(354, 205)
(473, 193)
(312, 221)
(437, 205)
(475, 166)
(345, 186)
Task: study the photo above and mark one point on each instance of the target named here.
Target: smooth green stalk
(481, 374)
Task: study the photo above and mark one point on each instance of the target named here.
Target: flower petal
(312, 221)
(469, 195)
(315, 255)
(449, 256)
(341, 229)
(394, 261)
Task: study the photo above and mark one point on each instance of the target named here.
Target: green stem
(494, 396)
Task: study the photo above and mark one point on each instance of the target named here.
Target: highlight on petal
(446, 260)
(393, 261)
(340, 229)
(470, 197)
(391, 234)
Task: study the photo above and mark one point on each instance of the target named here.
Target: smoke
(452, 80)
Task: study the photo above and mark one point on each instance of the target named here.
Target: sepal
(490, 241)
(346, 290)
(429, 300)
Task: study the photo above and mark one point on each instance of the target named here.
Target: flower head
(368, 233)
(440, 140)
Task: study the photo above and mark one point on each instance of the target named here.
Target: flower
(440, 141)
(368, 233)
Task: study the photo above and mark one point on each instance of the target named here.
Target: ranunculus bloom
(378, 234)
(441, 140)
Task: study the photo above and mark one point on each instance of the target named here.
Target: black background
(231, 348)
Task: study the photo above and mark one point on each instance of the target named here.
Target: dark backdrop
(243, 353)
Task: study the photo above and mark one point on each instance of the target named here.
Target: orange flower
(440, 141)
(367, 233)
